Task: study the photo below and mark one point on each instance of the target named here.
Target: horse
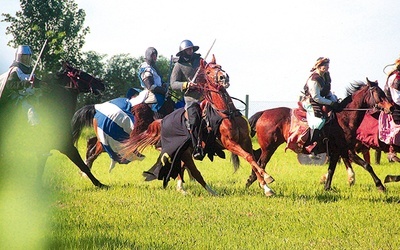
(143, 115)
(377, 132)
(229, 130)
(272, 127)
(55, 108)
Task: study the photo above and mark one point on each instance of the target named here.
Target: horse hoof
(381, 188)
(269, 193)
(182, 191)
(351, 181)
(102, 186)
(269, 179)
(323, 179)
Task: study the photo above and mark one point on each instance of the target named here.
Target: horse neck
(60, 98)
(356, 107)
(221, 101)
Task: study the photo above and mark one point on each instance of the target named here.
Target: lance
(208, 52)
(37, 61)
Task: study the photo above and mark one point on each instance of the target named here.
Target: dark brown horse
(229, 126)
(272, 128)
(55, 108)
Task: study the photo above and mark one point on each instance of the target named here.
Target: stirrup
(198, 153)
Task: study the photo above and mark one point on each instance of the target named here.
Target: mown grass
(132, 214)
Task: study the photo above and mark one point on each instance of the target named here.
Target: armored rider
(181, 80)
(19, 83)
(151, 80)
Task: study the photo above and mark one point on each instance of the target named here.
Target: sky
(266, 47)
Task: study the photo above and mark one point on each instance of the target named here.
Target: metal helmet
(150, 51)
(186, 44)
(23, 55)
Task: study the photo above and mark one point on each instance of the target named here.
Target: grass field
(67, 212)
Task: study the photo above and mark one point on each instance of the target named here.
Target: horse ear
(202, 63)
(370, 82)
(213, 61)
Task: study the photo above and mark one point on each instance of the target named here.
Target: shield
(310, 159)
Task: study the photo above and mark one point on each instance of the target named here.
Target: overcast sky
(267, 47)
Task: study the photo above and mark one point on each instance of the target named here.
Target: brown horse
(272, 128)
(227, 124)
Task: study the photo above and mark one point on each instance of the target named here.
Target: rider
(392, 91)
(18, 84)
(182, 80)
(317, 91)
(150, 79)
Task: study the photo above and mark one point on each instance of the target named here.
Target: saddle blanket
(114, 125)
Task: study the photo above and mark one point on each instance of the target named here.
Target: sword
(208, 52)
(37, 61)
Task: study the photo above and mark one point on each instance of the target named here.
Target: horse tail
(235, 161)
(253, 121)
(82, 118)
(137, 143)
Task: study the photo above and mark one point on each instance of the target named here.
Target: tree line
(61, 23)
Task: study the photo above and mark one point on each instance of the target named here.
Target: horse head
(80, 80)
(213, 82)
(378, 98)
(213, 73)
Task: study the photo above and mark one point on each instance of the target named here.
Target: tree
(120, 75)
(60, 22)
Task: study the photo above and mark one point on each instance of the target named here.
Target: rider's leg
(194, 118)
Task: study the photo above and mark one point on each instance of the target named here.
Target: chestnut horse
(55, 108)
(272, 128)
(230, 129)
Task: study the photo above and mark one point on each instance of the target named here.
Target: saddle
(299, 132)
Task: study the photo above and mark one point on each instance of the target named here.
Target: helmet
(185, 44)
(150, 51)
(23, 55)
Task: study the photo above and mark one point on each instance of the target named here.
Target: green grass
(70, 213)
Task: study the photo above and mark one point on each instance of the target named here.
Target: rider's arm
(178, 79)
(314, 90)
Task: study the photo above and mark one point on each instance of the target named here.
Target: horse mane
(354, 86)
(139, 142)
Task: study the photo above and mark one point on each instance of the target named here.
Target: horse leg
(93, 150)
(392, 178)
(262, 157)
(351, 175)
(378, 155)
(188, 162)
(72, 153)
(356, 159)
(262, 176)
(333, 160)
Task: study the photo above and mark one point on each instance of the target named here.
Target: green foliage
(60, 22)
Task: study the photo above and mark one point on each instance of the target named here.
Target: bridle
(371, 90)
(217, 83)
(76, 80)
